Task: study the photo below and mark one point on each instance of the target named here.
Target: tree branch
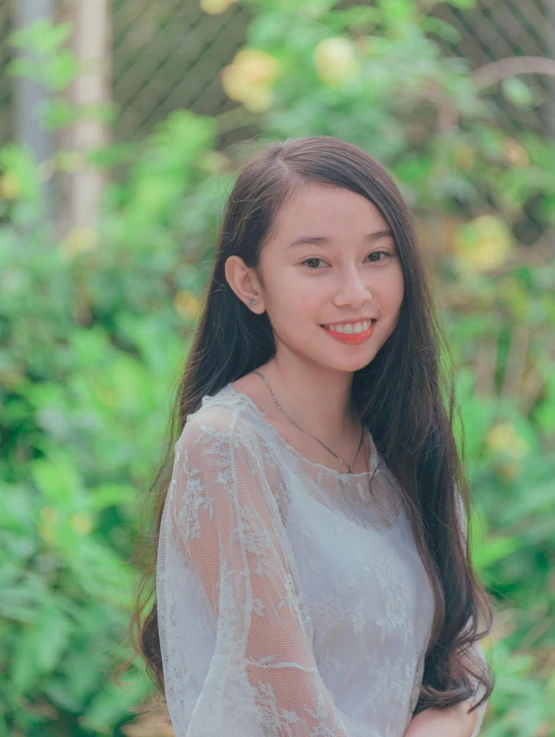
(498, 70)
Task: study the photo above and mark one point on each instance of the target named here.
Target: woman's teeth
(348, 328)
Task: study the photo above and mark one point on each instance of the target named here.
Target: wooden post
(550, 38)
(91, 41)
(29, 94)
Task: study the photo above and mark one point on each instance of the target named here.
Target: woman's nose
(354, 288)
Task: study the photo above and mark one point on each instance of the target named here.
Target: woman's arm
(455, 721)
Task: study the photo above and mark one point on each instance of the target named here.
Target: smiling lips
(354, 326)
(351, 333)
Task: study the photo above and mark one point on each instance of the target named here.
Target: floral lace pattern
(291, 599)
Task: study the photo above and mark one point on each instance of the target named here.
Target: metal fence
(499, 29)
(167, 54)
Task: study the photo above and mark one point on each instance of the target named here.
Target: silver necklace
(349, 465)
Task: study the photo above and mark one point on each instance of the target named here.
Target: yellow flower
(508, 470)
(10, 187)
(464, 156)
(77, 240)
(514, 153)
(215, 7)
(49, 516)
(335, 60)
(10, 377)
(214, 162)
(82, 523)
(249, 77)
(483, 244)
(503, 438)
(47, 527)
(187, 305)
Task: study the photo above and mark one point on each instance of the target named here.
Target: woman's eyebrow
(322, 240)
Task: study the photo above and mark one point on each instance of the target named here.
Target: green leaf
(41, 37)
(61, 70)
(360, 15)
(26, 68)
(395, 12)
(58, 479)
(113, 701)
(18, 163)
(39, 647)
(110, 495)
(492, 550)
(441, 28)
(517, 92)
(58, 113)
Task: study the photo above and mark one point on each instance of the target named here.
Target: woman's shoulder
(228, 425)
(223, 414)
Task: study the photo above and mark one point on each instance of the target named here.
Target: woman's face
(348, 271)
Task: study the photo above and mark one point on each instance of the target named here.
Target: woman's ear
(244, 283)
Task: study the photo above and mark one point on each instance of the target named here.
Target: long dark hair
(405, 396)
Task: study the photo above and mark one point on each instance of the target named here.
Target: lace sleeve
(261, 677)
(476, 651)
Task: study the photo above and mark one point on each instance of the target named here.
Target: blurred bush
(95, 326)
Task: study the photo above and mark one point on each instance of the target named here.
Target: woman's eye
(308, 260)
(385, 253)
(374, 253)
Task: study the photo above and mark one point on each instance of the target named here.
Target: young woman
(313, 575)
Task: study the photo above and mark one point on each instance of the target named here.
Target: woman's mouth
(353, 338)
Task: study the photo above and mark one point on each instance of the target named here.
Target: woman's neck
(319, 402)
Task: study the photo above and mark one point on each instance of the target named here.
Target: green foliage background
(95, 328)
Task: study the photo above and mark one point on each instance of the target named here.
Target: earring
(253, 302)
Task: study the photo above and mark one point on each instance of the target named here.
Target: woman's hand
(455, 721)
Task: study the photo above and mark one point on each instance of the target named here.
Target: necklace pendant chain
(349, 465)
